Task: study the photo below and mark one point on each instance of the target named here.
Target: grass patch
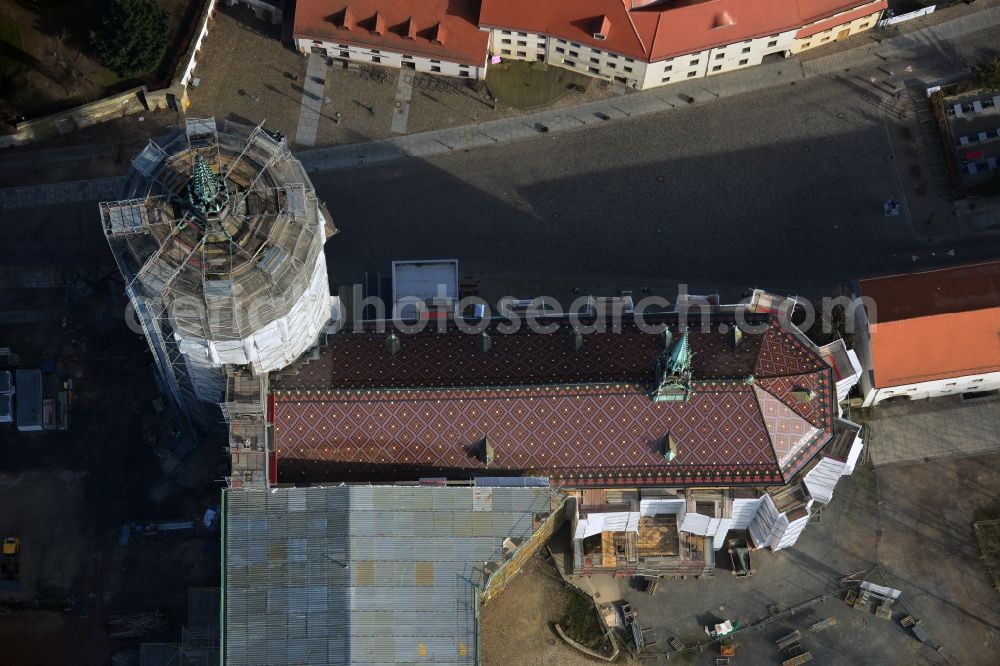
(531, 85)
(581, 624)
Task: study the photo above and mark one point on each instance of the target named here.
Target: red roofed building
(435, 36)
(699, 407)
(648, 44)
(929, 334)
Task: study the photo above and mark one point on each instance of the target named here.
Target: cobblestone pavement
(923, 430)
(54, 194)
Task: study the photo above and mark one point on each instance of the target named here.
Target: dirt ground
(517, 626)
(928, 548)
(57, 70)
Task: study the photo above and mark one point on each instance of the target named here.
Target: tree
(131, 36)
(987, 73)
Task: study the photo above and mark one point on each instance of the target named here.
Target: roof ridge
(635, 31)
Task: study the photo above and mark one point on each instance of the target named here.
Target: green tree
(131, 36)
(987, 73)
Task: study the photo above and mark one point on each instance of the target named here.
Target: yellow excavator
(11, 555)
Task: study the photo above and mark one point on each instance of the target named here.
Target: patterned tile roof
(585, 417)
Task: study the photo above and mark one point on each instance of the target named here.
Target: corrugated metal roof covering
(363, 574)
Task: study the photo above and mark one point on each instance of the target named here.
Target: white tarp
(823, 478)
(595, 523)
(653, 507)
(696, 523)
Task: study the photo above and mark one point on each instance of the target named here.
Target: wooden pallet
(786, 642)
(798, 659)
(823, 624)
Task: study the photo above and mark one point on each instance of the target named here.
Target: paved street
(782, 189)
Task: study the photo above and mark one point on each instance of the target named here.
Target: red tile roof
(585, 417)
(439, 29)
(660, 30)
(935, 325)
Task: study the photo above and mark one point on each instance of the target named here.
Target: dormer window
(602, 26)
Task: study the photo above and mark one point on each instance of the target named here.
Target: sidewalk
(55, 194)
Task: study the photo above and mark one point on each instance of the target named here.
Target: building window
(407, 57)
(438, 62)
(746, 49)
(691, 75)
(522, 54)
(977, 381)
(863, 26)
(952, 384)
(611, 65)
(596, 61)
(666, 79)
(743, 62)
(629, 60)
(522, 34)
(593, 70)
(694, 62)
(561, 41)
(668, 68)
(463, 73)
(560, 49)
(574, 54)
(376, 59)
(375, 51)
(574, 45)
(627, 69)
(505, 51)
(505, 32)
(594, 51)
(568, 62)
(716, 68)
(773, 42)
(806, 45)
(345, 54)
(825, 39)
(720, 56)
(521, 42)
(505, 41)
(435, 68)
(612, 56)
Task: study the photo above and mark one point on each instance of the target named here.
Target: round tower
(220, 236)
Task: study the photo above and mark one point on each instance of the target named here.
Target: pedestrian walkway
(404, 93)
(55, 194)
(313, 91)
(913, 432)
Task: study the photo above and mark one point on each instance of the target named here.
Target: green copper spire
(207, 192)
(672, 371)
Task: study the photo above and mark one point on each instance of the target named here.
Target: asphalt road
(781, 189)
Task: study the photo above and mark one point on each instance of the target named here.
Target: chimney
(484, 342)
(734, 336)
(392, 344)
(575, 339)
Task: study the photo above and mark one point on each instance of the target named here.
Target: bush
(131, 36)
(987, 73)
(581, 623)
